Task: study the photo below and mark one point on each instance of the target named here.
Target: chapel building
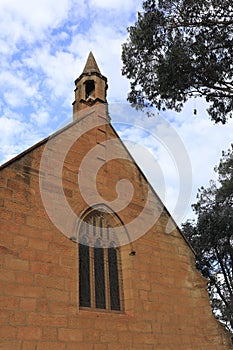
(86, 260)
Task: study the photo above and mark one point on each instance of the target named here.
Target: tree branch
(208, 23)
(223, 270)
(220, 88)
(218, 290)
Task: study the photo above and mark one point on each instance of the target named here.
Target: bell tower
(91, 87)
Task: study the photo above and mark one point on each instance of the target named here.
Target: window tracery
(100, 282)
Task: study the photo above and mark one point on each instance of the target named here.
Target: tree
(212, 239)
(180, 49)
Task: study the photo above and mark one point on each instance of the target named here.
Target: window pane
(113, 279)
(84, 276)
(99, 278)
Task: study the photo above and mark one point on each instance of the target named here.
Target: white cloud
(117, 5)
(40, 118)
(16, 136)
(10, 128)
(30, 17)
(57, 69)
(16, 89)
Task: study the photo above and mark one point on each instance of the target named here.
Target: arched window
(100, 280)
(90, 89)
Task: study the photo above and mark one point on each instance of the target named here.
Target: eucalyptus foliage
(212, 239)
(181, 49)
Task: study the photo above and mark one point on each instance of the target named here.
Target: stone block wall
(166, 305)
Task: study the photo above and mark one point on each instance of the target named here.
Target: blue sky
(44, 45)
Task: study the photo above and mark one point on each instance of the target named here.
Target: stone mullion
(106, 278)
(92, 277)
(120, 279)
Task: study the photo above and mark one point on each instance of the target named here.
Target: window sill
(102, 312)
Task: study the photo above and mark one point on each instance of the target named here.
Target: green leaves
(212, 238)
(179, 49)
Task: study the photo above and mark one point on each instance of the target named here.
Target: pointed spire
(90, 88)
(91, 65)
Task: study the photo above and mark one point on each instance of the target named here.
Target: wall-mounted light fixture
(132, 253)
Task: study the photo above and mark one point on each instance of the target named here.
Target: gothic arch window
(100, 276)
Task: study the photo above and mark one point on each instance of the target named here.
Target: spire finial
(91, 65)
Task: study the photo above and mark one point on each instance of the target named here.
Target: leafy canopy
(180, 49)
(212, 239)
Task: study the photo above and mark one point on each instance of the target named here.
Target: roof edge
(38, 144)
